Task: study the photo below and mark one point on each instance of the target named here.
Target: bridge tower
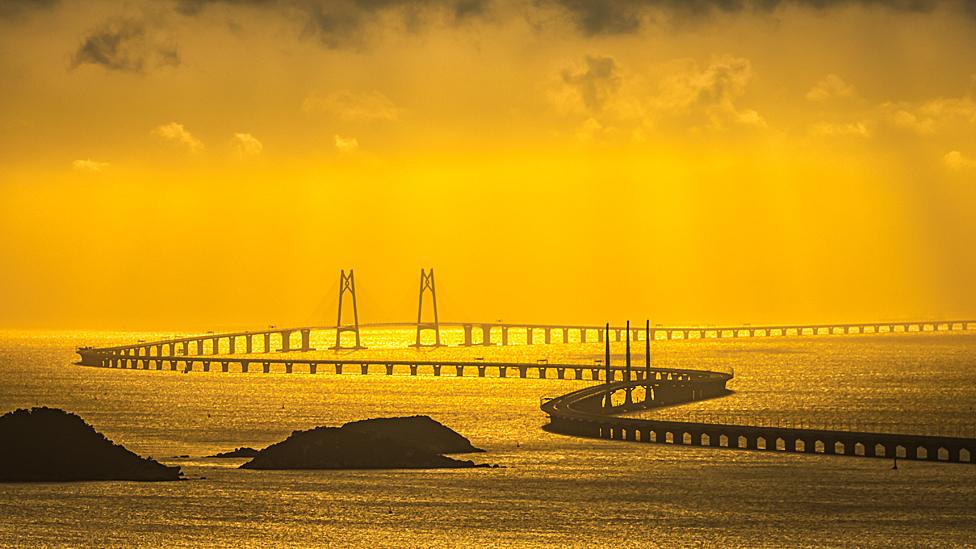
(608, 376)
(647, 360)
(629, 391)
(347, 283)
(427, 283)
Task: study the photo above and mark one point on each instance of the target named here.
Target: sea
(549, 489)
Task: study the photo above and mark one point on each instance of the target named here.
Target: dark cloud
(12, 8)
(593, 17)
(341, 23)
(596, 82)
(124, 45)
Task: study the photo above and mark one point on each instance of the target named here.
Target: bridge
(590, 412)
(298, 339)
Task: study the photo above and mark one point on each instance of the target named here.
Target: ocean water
(551, 491)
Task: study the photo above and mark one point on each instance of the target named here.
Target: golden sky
(214, 163)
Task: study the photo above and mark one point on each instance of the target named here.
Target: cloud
(357, 107)
(710, 93)
(593, 85)
(344, 23)
(14, 8)
(932, 116)
(89, 166)
(175, 133)
(829, 129)
(600, 17)
(124, 45)
(956, 161)
(346, 144)
(829, 88)
(247, 145)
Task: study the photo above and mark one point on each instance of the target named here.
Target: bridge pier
(249, 343)
(459, 370)
(437, 370)
(542, 373)
(306, 341)
(172, 365)
(413, 369)
(578, 373)
(285, 341)
(486, 335)
(338, 368)
(522, 371)
(504, 336)
(582, 335)
(244, 366)
(215, 346)
(363, 369)
(267, 342)
(288, 367)
(599, 335)
(548, 334)
(206, 365)
(188, 367)
(481, 371)
(231, 343)
(224, 366)
(389, 369)
(467, 335)
(561, 373)
(528, 336)
(565, 335)
(266, 367)
(502, 371)
(595, 374)
(313, 368)
(200, 347)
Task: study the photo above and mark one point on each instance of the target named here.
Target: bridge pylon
(608, 375)
(629, 399)
(347, 283)
(647, 360)
(427, 284)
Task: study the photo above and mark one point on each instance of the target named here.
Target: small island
(52, 445)
(387, 443)
(242, 452)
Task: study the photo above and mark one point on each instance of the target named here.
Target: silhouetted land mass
(388, 443)
(51, 445)
(419, 431)
(242, 452)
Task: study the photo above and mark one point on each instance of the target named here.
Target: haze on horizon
(213, 163)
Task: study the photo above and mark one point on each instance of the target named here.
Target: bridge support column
(215, 343)
(542, 373)
(172, 365)
(288, 367)
(206, 365)
(266, 367)
(578, 373)
(413, 369)
(582, 335)
(504, 336)
(232, 343)
(364, 369)
(389, 369)
(528, 336)
(600, 335)
(313, 368)
(200, 347)
(248, 343)
(561, 373)
(522, 371)
(548, 333)
(502, 371)
(595, 374)
(467, 335)
(459, 370)
(565, 335)
(486, 335)
(338, 368)
(267, 342)
(159, 364)
(285, 341)
(306, 340)
(224, 366)
(244, 366)
(481, 371)
(188, 366)
(437, 370)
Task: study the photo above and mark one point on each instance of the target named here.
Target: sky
(197, 164)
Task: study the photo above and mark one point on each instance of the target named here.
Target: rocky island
(387, 443)
(51, 445)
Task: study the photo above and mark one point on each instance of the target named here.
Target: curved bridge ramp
(592, 412)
